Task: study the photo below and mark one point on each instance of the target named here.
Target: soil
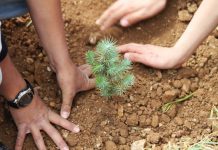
(117, 123)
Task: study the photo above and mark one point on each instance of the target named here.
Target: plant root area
(116, 123)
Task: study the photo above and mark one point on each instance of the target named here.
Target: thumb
(66, 104)
(134, 57)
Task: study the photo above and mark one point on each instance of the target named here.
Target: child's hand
(153, 56)
(129, 12)
(71, 81)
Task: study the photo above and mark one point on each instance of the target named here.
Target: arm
(203, 22)
(34, 117)
(46, 15)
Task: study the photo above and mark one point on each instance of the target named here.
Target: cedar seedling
(111, 72)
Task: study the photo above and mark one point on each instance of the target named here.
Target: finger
(55, 136)
(133, 48)
(90, 85)
(84, 66)
(56, 119)
(115, 17)
(134, 17)
(112, 9)
(38, 138)
(66, 106)
(20, 139)
(86, 69)
(134, 57)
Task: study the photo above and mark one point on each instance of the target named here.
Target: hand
(36, 117)
(154, 56)
(129, 12)
(72, 80)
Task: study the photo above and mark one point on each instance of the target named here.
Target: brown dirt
(115, 124)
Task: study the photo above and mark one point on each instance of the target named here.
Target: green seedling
(111, 72)
(167, 106)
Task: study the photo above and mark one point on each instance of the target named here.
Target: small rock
(124, 147)
(187, 124)
(110, 145)
(124, 132)
(52, 104)
(122, 140)
(132, 120)
(120, 111)
(192, 7)
(29, 60)
(172, 112)
(186, 73)
(177, 84)
(94, 38)
(142, 121)
(170, 95)
(72, 140)
(165, 118)
(186, 85)
(184, 16)
(153, 138)
(155, 121)
(138, 145)
(178, 121)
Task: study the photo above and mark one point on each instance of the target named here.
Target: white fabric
(0, 52)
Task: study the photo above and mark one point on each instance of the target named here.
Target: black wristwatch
(23, 98)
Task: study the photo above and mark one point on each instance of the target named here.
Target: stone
(153, 138)
(132, 120)
(170, 95)
(124, 147)
(120, 111)
(177, 84)
(122, 140)
(155, 121)
(142, 121)
(192, 7)
(186, 85)
(124, 132)
(138, 145)
(184, 16)
(72, 140)
(110, 145)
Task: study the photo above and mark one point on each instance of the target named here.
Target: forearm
(12, 80)
(203, 22)
(46, 16)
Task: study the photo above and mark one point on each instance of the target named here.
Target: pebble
(124, 132)
(184, 16)
(186, 85)
(72, 140)
(192, 7)
(177, 84)
(138, 145)
(153, 138)
(142, 121)
(178, 121)
(172, 112)
(120, 111)
(124, 147)
(155, 121)
(110, 145)
(132, 120)
(122, 140)
(170, 95)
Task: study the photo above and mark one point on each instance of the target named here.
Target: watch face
(25, 99)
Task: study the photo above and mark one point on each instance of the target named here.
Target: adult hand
(129, 12)
(153, 56)
(72, 80)
(36, 117)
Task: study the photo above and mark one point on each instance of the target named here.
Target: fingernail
(76, 129)
(124, 22)
(97, 22)
(65, 114)
(66, 148)
(127, 55)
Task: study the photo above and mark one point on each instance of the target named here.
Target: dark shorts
(4, 49)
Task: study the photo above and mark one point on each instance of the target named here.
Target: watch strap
(13, 103)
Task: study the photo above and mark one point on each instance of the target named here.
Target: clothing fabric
(12, 8)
